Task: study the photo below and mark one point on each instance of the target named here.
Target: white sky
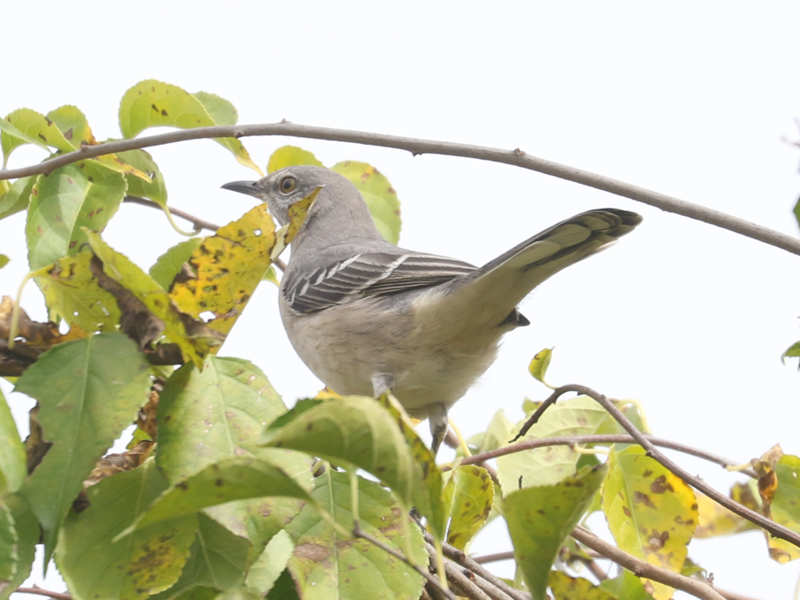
(685, 98)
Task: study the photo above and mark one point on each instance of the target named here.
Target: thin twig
(695, 587)
(466, 584)
(611, 438)
(43, 592)
(359, 533)
(465, 560)
(494, 557)
(198, 223)
(771, 526)
(421, 146)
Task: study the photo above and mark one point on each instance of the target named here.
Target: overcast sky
(686, 98)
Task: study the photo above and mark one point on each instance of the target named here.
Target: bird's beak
(244, 187)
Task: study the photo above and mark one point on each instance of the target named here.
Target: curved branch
(608, 438)
(695, 587)
(421, 146)
(197, 222)
(769, 525)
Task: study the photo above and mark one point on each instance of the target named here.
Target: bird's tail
(499, 285)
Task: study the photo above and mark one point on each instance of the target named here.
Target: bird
(368, 317)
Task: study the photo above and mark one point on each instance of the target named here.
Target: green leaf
(3, 260)
(169, 264)
(9, 541)
(88, 391)
(626, 586)
(229, 479)
(12, 458)
(792, 351)
(428, 496)
(63, 203)
(220, 412)
(327, 565)
(17, 197)
(379, 195)
(258, 519)
(540, 518)
(284, 588)
(26, 126)
(218, 560)
(152, 103)
(288, 156)
(71, 292)
(565, 587)
(155, 189)
(73, 125)
(545, 466)
(651, 512)
(26, 536)
(221, 110)
(137, 566)
(472, 493)
(785, 507)
(358, 431)
(267, 568)
(539, 364)
(496, 435)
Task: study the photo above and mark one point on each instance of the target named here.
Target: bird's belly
(350, 344)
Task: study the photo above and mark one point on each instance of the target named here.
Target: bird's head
(287, 186)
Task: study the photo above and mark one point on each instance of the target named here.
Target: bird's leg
(382, 383)
(437, 419)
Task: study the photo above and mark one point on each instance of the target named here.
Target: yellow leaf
(651, 513)
(193, 338)
(226, 268)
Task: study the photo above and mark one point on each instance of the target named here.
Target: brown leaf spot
(163, 113)
(627, 511)
(661, 485)
(41, 137)
(182, 485)
(219, 482)
(315, 552)
(657, 539)
(154, 107)
(641, 498)
(647, 473)
(68, 133)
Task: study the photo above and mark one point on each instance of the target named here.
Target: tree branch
(494, 557)
(613, 438)
(640, 568)
(465, 583)
(196, 221)
(421, 146)
(468, 562)
(359, 533)
(771, 526)
(43, 592)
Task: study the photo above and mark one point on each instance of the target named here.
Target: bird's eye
(288, 184)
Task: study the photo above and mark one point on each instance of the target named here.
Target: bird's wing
(369, 274)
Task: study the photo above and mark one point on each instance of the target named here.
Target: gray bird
(368, 317)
